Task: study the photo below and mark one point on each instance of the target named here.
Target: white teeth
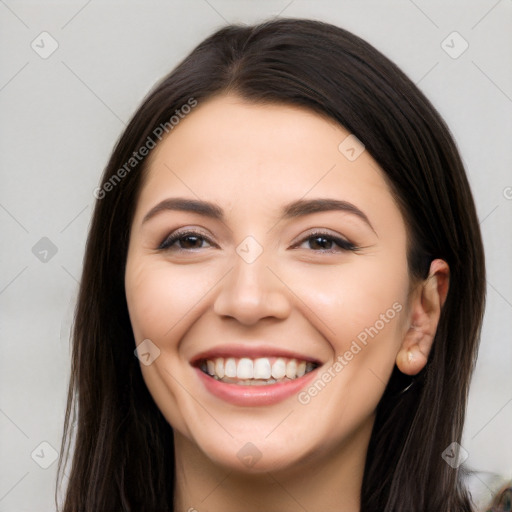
(230, 367)
(291, 369)
(262, 368)
(279, 369)
(244, 368)
(260, 371)
(219, 367)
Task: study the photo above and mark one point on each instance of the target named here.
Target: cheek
(356, 300)
(160, 296)
(362, 310)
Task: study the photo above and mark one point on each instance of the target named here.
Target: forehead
(240, 153)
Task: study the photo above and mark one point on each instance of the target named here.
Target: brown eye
(186, 241)
(323, 242)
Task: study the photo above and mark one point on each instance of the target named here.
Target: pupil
(322, 244)
(196, 238)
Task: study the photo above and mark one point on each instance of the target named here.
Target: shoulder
(502, 501)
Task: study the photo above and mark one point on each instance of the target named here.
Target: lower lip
(249, 396)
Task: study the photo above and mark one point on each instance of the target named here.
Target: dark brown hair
(123, 457)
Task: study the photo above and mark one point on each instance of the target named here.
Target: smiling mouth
(261, 371)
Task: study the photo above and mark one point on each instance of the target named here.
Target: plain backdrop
(73, 72)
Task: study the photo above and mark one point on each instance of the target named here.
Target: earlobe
(425, 311)
(412, 360)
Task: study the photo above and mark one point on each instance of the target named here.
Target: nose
(252, 292)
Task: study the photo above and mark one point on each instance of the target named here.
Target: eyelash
(343, 244)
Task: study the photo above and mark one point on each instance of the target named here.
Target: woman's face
(242, 283)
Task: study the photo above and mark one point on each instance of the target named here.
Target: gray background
(62, 114)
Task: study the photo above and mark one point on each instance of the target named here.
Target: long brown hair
(123, 456)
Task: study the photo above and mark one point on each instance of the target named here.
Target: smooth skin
(300, 294)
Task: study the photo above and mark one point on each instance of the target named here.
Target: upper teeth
(260, 368)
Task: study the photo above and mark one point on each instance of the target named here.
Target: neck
(327, 481)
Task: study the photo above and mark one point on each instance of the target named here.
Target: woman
(283, 289)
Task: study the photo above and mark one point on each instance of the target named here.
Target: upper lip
(252, 352)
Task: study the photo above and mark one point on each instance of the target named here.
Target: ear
(427, 300)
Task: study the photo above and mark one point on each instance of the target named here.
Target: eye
(321, 242)
(324, 242)
(187, 240)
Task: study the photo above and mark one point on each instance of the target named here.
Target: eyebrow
(298, 208)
